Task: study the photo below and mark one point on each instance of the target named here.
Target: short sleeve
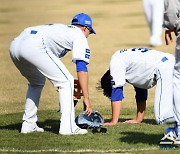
(81, 50)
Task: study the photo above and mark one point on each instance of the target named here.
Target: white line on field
(74, 151)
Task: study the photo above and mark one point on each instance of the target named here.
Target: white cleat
(35, 129)
(78, 131)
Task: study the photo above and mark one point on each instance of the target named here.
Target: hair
(105, 84)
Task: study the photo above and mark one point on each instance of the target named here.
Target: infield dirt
(119, 24)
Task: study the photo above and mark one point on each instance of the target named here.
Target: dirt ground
(118, 23)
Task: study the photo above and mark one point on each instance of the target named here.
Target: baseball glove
(77, 89)
(92, 121)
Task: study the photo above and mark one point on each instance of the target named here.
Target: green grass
(119, 24)
(121, 138)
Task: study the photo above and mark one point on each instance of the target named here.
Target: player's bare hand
(87, 107)
(168, 36)
(88, 111)
(132, 121)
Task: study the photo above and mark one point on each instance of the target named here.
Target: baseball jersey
(172, 14)
(60, 39)
(137, 66)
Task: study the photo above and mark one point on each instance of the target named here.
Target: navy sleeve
(81, 66)
(117, 94)
(141, 94)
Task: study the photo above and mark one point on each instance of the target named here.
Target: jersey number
(140, 49)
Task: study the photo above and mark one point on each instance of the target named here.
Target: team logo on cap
(87, 22)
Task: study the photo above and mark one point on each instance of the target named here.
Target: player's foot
(155, 42)
(76, 132)
(30, 129)
(170, 136)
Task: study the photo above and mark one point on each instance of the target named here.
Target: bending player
(36, 52)
(143, 68)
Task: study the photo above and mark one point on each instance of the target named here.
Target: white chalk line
(78, 151)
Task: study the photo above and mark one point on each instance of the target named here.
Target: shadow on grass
(147, 121)
(140, 137)
(48, 125)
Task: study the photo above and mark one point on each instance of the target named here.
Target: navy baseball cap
(83, 20)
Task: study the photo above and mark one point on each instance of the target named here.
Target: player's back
(136, 65)
(58, 37)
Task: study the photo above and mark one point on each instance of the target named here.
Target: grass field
(119, 24)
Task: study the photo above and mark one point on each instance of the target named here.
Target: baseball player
(37, 51)
(153, 10)
(143, 68)
(172, 25)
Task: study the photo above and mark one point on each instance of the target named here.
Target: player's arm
(141, 97)
(170, 19)
(82, 74)
(116, 105)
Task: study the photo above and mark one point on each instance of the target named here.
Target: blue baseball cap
(83, 20)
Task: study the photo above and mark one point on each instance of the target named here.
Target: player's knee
(69, 83)
(60, 83)
(168, 120)
(158, 121)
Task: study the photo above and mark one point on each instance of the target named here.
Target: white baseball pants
(163, 104)
(154, 10)
(36, 62)
(176, 82)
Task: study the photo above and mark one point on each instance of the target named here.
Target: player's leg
(52, 68)
(147, 5)
(157, 21)
(31, 107)
(176, 83)
(163, 105)
(36, 83)
(64, 81)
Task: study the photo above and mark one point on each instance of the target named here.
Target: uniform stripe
(160, 98)
(163, 120)
(45, 48)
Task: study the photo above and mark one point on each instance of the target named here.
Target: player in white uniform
(172, 25)
(143, 68)
(153, 10)
(37, 51)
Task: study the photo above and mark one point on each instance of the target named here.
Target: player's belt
(33, 31)
(164, 59)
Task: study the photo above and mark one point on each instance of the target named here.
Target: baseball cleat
(170, 136)
(78, 131)
(170, 139)
(35, 129)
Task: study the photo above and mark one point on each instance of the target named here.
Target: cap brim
(92, 31)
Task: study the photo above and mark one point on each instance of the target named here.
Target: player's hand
(87, 107)
(88, 111)
(132, 121)
(168, 36)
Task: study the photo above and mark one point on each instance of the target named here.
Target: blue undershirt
(117, 94)
(81, 66)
